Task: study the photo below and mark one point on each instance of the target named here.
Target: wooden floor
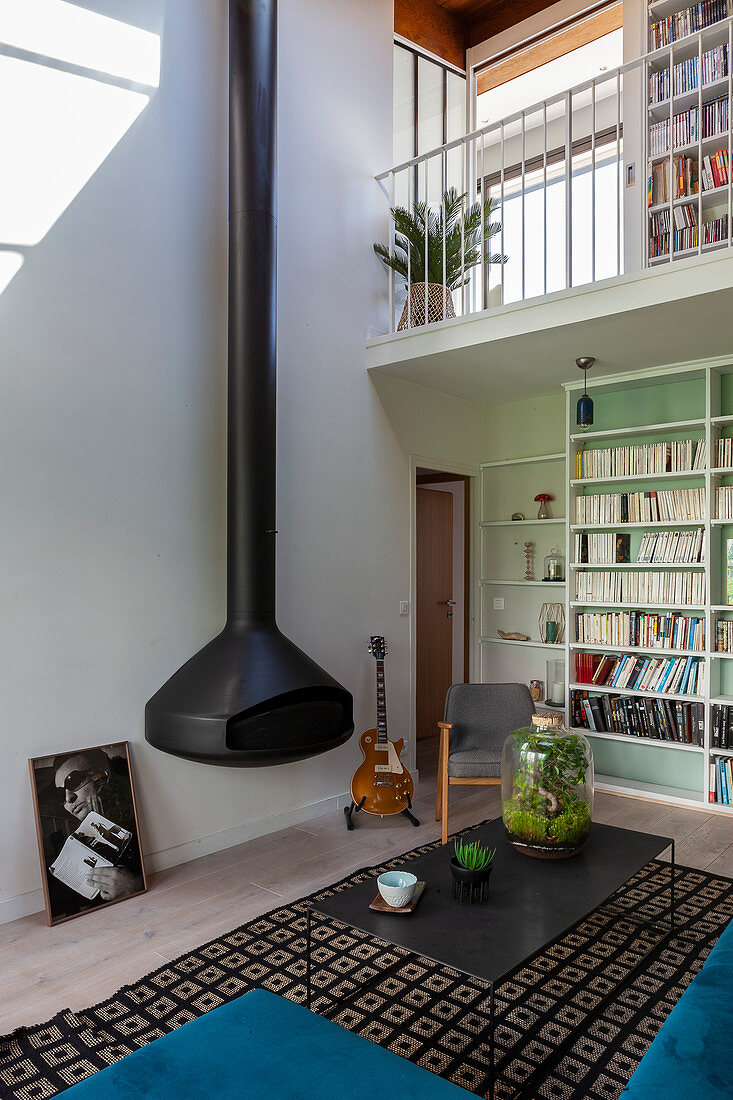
(43, 970)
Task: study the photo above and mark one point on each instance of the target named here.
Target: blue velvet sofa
(690, 1057)
(263, 1047)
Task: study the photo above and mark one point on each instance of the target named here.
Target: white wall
(113, 405)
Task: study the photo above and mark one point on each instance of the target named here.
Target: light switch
(404, 607)
(498, 603)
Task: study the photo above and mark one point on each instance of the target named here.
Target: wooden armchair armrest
(445, 728)
(441, 798)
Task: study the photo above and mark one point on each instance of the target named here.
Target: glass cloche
(554, 565)
(547, 788)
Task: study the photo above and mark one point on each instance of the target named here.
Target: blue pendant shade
(584, 417)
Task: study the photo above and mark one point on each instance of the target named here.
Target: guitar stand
(350, 810)
(354, 809)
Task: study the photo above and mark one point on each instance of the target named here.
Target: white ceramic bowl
(397, 888)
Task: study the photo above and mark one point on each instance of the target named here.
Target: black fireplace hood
(250, 697)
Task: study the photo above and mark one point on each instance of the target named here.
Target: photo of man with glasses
(87, 829)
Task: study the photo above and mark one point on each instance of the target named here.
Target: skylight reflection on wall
(72, 83)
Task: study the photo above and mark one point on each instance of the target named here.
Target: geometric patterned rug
(422, 1011)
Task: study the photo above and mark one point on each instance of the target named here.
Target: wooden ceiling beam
(433, 27)
(501, 15)
(551, 47)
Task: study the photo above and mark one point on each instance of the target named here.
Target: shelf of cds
(688, 130)
(649, 648)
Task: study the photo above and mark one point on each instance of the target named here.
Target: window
(429, 110)
(525, 165)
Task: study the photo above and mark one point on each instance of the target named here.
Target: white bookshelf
(653, 525)
(622, 737)
(632, 478)
(523, 522)
(645, 565)
(547, 585)
(509, 486)
(637, 760)
(713, 203)
(527, 645)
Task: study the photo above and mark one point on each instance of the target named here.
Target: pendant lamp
(584, 416)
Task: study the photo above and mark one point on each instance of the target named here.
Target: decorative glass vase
(547, 788)
(554, 566)
(555, 673)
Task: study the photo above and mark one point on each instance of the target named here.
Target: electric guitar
(381, 784)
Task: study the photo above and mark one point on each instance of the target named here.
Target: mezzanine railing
(580, 187)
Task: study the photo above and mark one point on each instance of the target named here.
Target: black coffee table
(532, 903)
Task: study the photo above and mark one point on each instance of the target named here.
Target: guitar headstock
(377, 647)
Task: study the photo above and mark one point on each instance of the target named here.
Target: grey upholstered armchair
(478, 718)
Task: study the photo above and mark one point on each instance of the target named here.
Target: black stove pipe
(251, 697)
(252, 308)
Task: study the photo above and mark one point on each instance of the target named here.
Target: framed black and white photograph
(87, 828)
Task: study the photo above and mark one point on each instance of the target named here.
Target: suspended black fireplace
(250, 697)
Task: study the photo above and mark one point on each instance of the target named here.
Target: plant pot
(416, 302)
(468, 885)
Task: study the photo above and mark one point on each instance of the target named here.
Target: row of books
(685, 74)
(715, 115)
(724, 502)
(674, 456)
(715, 230)
(685, 131)
(721, 727)
(681, 23)
(724, 637)
(666, 675)
(683, 217)
(658, 719)
(688, 126)
(641, 629)
(661, 587)
(672, 547)
(587, 666)
(659, 246)
(651, 507)
(604, 548)
(721, 780)
(724, 452)
(684, 180)
(715, 171)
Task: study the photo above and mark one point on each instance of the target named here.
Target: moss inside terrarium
(546, 801)
(568, 827)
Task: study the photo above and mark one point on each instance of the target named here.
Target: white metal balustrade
(564, 212)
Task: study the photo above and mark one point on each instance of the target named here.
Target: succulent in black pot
(471, 867)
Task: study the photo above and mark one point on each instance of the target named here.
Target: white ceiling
(664, 316)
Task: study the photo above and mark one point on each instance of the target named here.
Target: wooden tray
(380, 905)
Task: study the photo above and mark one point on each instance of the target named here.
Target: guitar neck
(381, 704)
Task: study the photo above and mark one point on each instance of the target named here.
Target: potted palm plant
(423, 231)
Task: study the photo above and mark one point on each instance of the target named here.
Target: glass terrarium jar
(547, 788)
(554, 565)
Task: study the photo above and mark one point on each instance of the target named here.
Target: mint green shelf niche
(646, 763)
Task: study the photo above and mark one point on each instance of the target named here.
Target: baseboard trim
(24, 905)
(194, 849)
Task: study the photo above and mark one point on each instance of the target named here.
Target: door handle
(450, 603)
